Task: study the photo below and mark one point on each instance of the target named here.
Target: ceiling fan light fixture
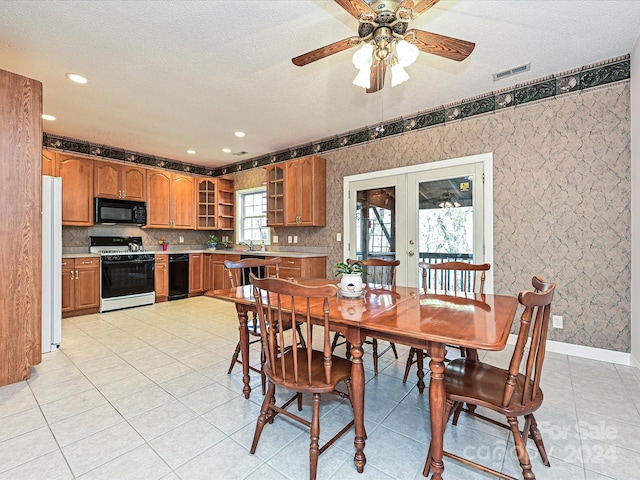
(362, 60)
(398, 74)
(406, 52)
(363, 79)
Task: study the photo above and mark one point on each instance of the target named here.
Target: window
(251, 223)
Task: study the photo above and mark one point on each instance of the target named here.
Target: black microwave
(120, 211)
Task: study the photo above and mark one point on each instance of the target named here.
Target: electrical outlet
(557, 321)
(338, 237)
(295, 239)
(274, 239)
(289, 239)
(181, 239)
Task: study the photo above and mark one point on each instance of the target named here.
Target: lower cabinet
(162, 277)
(308, 267)
(218, 276)
(80, 286)
(195, 273)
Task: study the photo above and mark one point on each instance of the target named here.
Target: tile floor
(144, 394)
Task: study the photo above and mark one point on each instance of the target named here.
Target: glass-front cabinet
(207, 204)
(275, 196)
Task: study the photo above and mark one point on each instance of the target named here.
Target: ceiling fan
(387, 41)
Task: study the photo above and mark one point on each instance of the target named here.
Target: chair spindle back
(239, 271)
(276, 299)
(454, 277)
(537, 305)
(380, 272)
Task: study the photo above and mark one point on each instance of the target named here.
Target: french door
(434, 212)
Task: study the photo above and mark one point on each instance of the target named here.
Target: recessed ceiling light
(51, 118)
(191, 152)
(239, 134)
(74, 77)
(226, 150)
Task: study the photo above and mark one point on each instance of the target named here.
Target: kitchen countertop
(267, 253)
(258, 253)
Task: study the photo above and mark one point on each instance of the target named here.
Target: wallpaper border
(614, 70)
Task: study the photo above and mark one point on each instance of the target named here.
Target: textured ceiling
(166, 76)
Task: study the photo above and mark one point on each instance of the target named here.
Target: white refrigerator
(51, 263)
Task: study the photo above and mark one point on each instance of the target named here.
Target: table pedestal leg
(244, 349)
(437, 402)
(357, 399)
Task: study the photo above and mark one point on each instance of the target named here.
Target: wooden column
(20, 226)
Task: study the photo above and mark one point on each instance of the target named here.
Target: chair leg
(263, 376)
(537, 439)
(521, 450)
(334, 344)
(456, 413)
(393, 349)
(264, 416)
(303, 344)
(407, 369)
(234, 358)
(314, 448)
(374, 346)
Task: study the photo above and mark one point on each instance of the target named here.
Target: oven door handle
(120, 262)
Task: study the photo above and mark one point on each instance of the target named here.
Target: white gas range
(127, 272)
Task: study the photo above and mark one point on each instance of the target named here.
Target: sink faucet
(249, 244)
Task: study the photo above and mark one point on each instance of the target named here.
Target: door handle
(411, 253)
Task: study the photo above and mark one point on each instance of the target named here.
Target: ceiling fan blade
(318, 53)
(377, 77)
(418, 6)
(441, 45)
(354, 7)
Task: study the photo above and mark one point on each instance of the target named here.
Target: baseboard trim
(582, 351)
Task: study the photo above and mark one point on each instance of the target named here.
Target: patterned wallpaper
(561, 200)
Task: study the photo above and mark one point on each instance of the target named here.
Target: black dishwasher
(259, 272)
(178, 275)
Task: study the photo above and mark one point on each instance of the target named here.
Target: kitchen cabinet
(77, 189)
(195, 273)
(296, 193)
(171, 200)
(226, 201)
(275, 195)
(219, 275)
(49, 166)
(161, 277)
(206, 204)
(121, 181)
(314, 267)
(80, 286)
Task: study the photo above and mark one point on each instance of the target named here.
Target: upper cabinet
(116, 180)
(49, 166)
(171, 200)
(226, 201)
(77, 189)
(296, 193)
(275, 195)
(206, 205)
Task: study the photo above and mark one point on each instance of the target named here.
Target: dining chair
(448, 278)
(239, 276)
(298, 369)
(379, 273)
(511, 392)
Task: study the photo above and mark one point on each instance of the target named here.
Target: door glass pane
(445, 229)
(376, 223)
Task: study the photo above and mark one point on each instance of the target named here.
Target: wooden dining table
(406, 316)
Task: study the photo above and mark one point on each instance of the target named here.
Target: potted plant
(164, 243)
(351, 280)
(226, 245)
(212, 242)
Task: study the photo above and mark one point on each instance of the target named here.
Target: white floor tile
(143, 393)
